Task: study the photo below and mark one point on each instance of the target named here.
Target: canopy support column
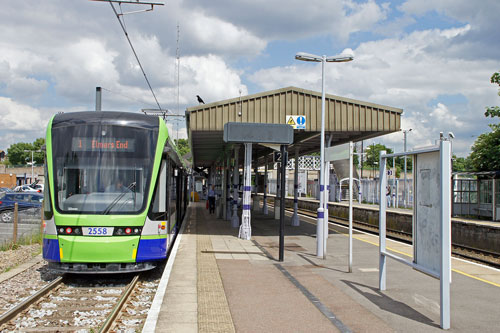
(245, 227)
(235, 221)
(256, 192)
(264, 203)
(278, 194)
(295, 216)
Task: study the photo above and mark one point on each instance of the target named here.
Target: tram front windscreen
(102, 169)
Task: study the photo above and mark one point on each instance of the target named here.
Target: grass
(35, 238)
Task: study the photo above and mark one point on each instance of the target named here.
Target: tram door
(159, 209)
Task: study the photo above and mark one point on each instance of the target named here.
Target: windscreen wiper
(118, 198)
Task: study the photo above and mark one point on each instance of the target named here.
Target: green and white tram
(116, 193)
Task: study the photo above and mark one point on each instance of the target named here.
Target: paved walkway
(220, 283)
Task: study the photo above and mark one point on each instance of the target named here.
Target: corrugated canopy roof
(345, 120)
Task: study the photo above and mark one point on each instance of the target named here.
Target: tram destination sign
(103, 144)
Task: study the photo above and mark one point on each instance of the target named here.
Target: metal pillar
(326, 193)
(235, 221)
(256, 192)
(382, 223)
(264, 203)
(445, 166)
(282, 205)
(295, 216)
(192, 186)
(98, 99)
(219, 207)
(228, 189)
(278, 193)
(224, 190)
(245, 227)
(350, 204)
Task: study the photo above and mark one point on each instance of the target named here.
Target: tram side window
(173, 195)
(160, 197)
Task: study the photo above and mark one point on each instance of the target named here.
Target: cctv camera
(451, 135)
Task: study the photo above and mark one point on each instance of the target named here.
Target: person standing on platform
(388, 195)
(211, 200)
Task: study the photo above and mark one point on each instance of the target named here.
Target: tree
(485, 155)
(461, 164)
(20, 153)
(373, 154)
(494, 111)
(183, 146)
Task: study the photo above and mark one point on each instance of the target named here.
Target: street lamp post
(404, 185)
(32, 162)
(321, 240)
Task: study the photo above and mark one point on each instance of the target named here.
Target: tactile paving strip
(213, 309)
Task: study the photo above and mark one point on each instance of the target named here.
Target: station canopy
(345, 120)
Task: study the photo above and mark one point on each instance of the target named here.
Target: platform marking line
(154, 311)
(408, 255)
(313, 299)
(475, 277)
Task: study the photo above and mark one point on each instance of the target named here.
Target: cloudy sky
(433, 58)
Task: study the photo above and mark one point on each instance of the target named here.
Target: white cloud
(408, 73)
(294, 19)
(221, 37)
(443, 115)
(20, 123)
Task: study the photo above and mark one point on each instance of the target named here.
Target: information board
(427, 212)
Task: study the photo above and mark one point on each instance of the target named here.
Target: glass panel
(473, 197)
(458, 197)
(473, 185)
(485, 188)
(465, 185)
(102, 169)
(465, 197)
(457, 185)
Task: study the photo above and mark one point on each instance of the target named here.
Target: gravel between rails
(15, 289)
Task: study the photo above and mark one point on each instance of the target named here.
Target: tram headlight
(126, 231)
(69, 230)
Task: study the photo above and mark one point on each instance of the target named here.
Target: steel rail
(400, 236)
(13, 312)
(116, 310)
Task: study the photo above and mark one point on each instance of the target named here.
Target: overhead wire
(128, 97)
(135, 53)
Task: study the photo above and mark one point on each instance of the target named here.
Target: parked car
(26, 188)
(5, 189)
(38, 187)
(24, 201)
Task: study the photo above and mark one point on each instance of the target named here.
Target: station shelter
(477, 195)
(346, 120)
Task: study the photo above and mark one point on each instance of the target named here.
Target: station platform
(220, 283)
(402, 211)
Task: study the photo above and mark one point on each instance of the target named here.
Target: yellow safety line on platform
(477, 278)
(408, 255)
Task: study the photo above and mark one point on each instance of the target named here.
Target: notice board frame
(441, 210)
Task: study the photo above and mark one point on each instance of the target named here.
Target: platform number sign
(297, 122)
(277, 156)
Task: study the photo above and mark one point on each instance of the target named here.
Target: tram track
(480, 256)
(89, 303)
